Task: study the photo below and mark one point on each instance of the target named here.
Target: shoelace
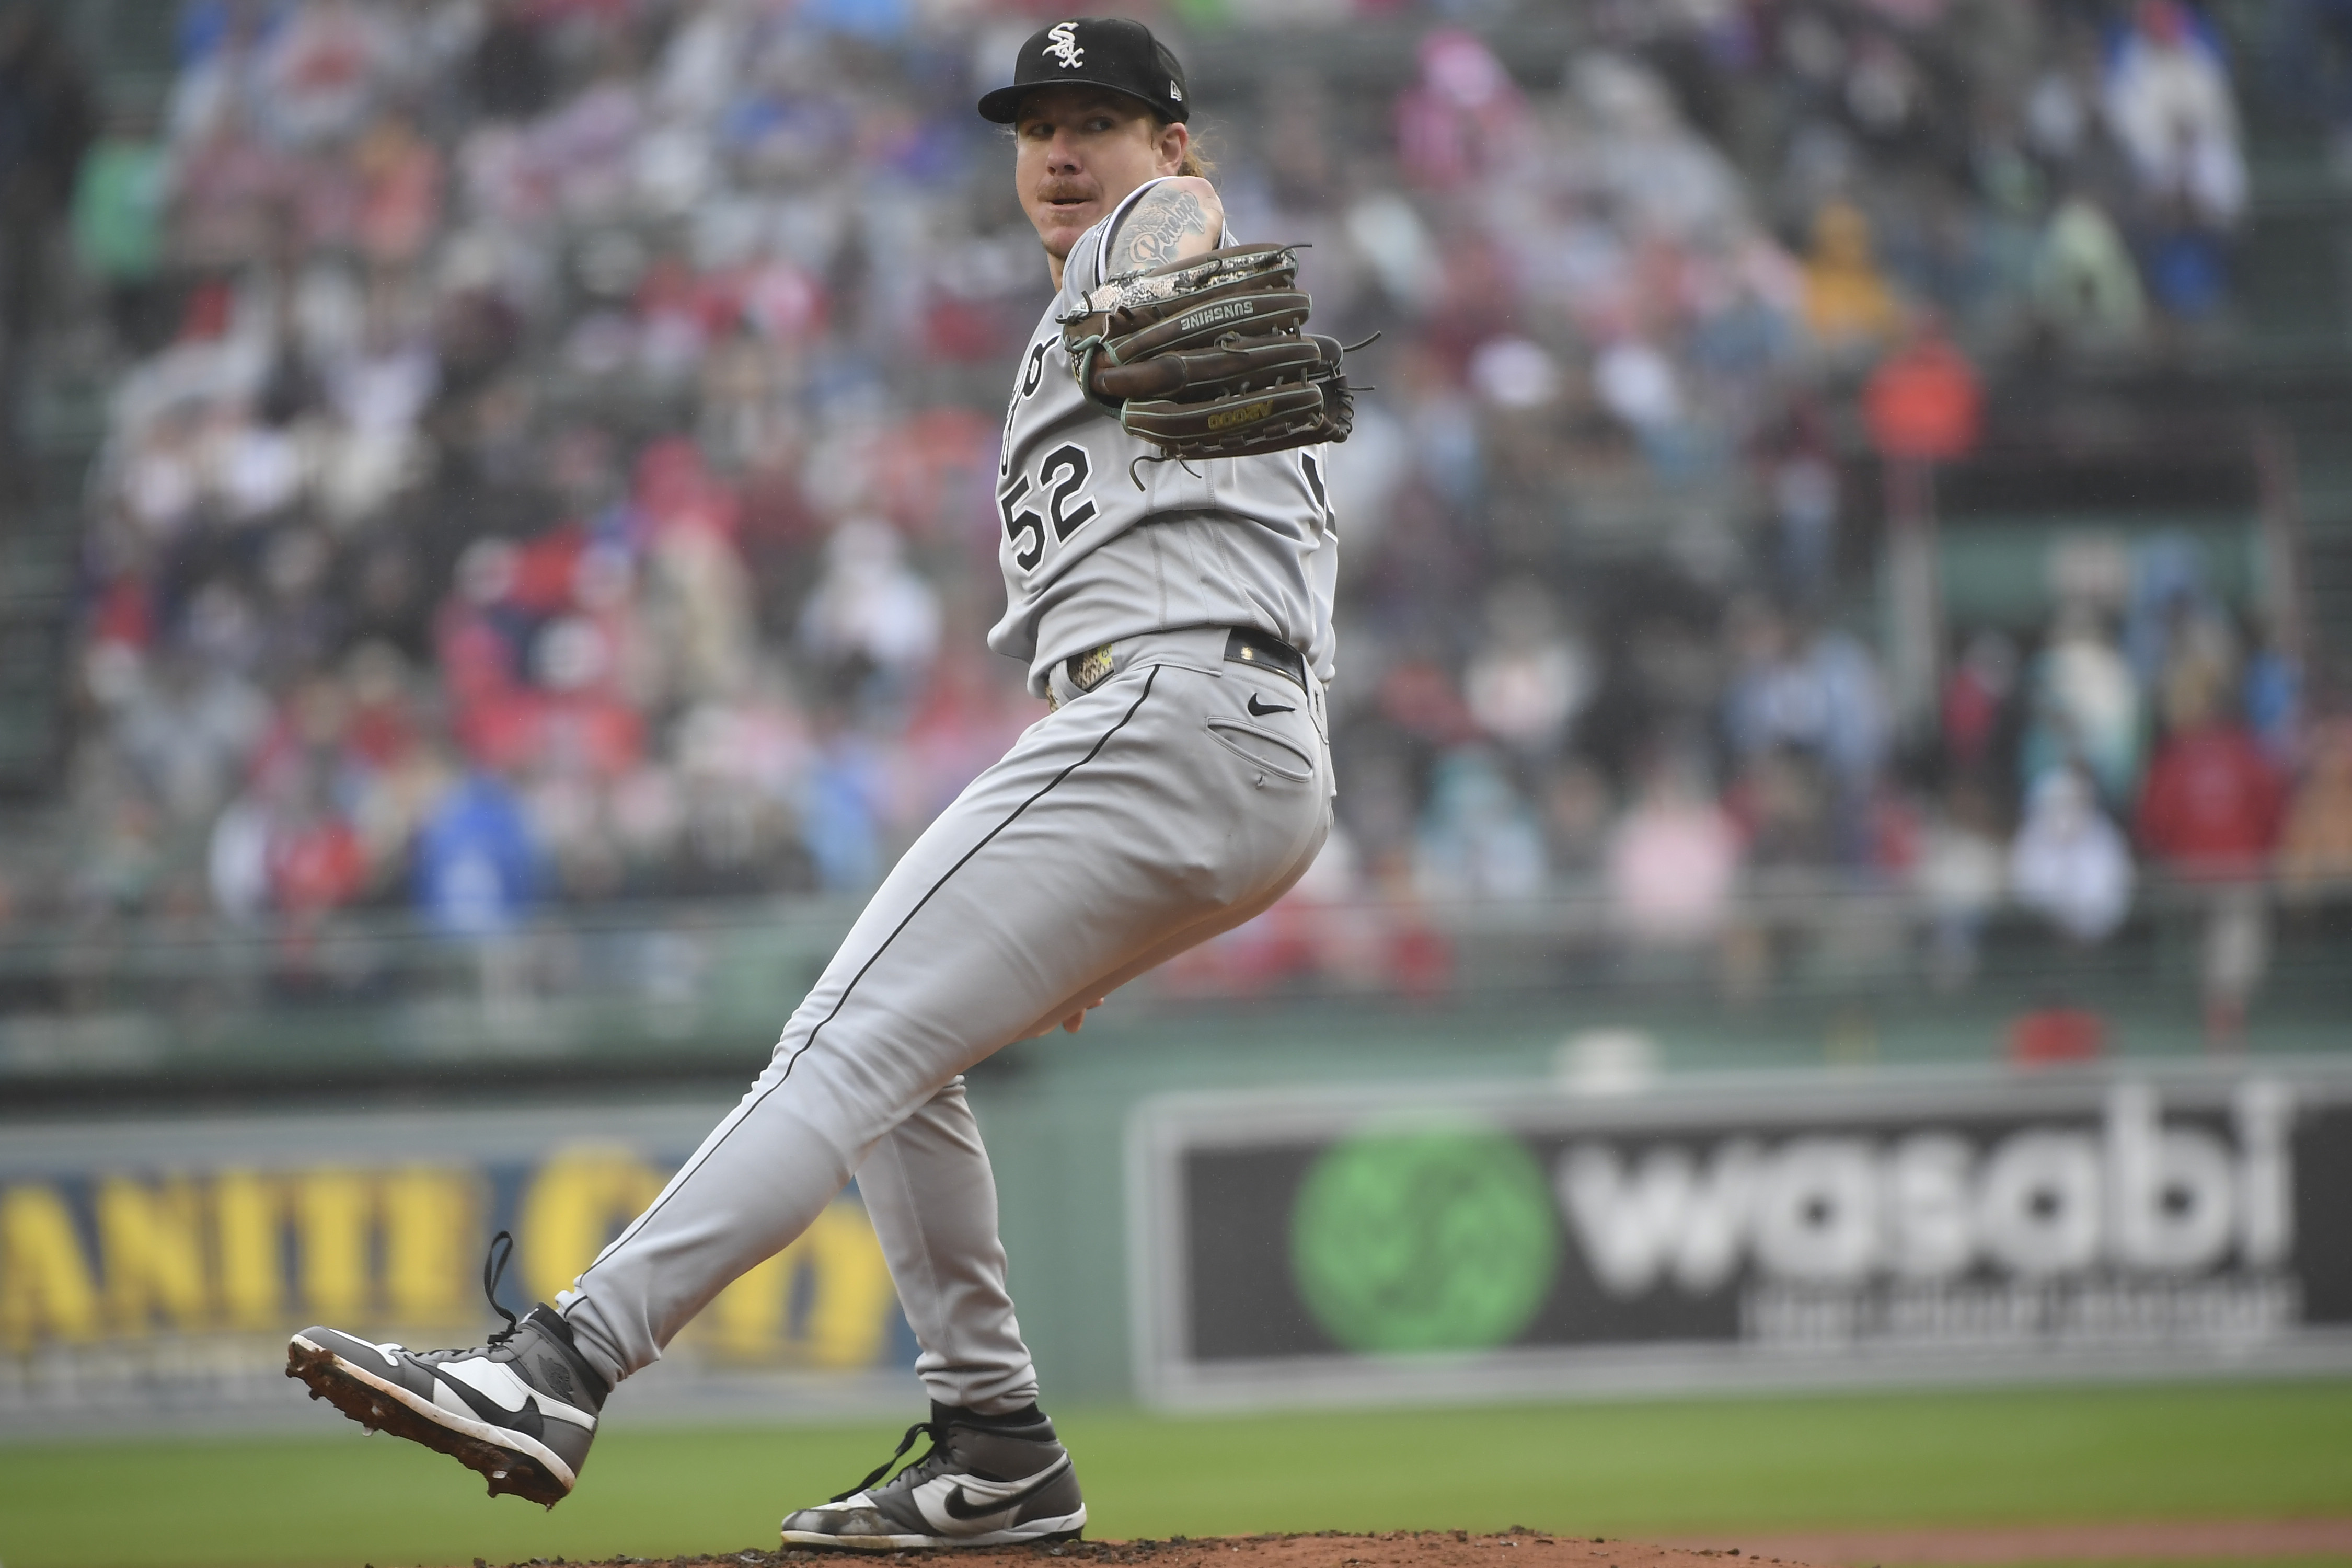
(938, 1435)
(494, 1268)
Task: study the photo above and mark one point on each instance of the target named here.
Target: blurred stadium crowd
(551, 457)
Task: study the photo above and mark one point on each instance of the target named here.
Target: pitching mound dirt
(1423, 1549)
(2180, 1538)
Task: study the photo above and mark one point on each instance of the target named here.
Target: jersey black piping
(1110, 230)
(1150, 678)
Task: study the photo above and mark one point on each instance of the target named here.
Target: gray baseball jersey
(1175, 799)
(1099, 547)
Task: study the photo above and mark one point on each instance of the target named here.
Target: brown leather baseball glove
(1205, 357)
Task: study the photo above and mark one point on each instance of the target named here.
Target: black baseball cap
(1108, 52)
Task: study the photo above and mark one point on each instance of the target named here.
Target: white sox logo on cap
(1112, 53)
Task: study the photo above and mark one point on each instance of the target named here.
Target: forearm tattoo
(1157, 229)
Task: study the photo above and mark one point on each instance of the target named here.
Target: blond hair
(1197, 164)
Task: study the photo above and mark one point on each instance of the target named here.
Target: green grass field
(2263, 1451)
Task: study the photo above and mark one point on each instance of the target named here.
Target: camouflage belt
(1243, 644)
(1086, 670)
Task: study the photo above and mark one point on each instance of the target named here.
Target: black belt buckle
(1245, 644)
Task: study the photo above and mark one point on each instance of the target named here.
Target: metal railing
(714, 980)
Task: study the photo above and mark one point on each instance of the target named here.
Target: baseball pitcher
(1169, 556)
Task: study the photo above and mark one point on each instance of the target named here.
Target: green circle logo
(1423, 1241)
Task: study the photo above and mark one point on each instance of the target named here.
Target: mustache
(1064, 191)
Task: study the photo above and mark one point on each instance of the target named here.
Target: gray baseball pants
(1169, 803)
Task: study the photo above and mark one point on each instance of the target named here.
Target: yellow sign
(133, 1256)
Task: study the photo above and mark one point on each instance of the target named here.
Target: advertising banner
(1724, 1232)
(151, 1271)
